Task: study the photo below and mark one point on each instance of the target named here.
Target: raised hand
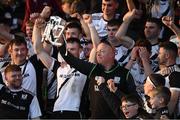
(76, 15)
(46, 12)
(135, 53)
(111, 85)
(168, 21)
(34, 16)
(39, 23)
(144, 54)
(99, 80)
(87, 18)
(132, 14)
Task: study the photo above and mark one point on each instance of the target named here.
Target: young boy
(159, 99)
(132, 108)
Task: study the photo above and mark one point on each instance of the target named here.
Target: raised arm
(132, 60)
(130, 5)
(46, 59)
(84, 25)
(94, 36)
(145, 58)
(168, 21)
(121, 33)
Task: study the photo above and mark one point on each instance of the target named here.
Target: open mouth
(126, 114)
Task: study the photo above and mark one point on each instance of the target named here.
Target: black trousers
(66, 115)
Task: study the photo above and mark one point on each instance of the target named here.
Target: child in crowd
(159, 99)
(152, 82)
(132, 108)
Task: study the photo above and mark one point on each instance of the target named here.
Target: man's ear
(9, 49)
(5, 76)
(167, 54)
(161, 100)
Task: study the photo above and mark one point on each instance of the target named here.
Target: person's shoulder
(1, 86)
(97, 16)
(122, 68)
(174, 80)
(28, 92)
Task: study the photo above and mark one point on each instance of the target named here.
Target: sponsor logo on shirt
(24, 96)
(117, 80)
(69, 75)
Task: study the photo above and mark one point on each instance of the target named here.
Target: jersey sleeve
(34, 109)
(174, 80)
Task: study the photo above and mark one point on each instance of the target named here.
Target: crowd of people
(109, 59)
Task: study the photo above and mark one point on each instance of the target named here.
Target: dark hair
(112, 0)
(74, 40)
(73, 19)
(74, 25)
(114, 22)
(163, 92)
(171, 47)
(17, 42)
(157, 79)
(156, 21)
(78, 6)
(144, 43)
(133, 98)
(11, 68)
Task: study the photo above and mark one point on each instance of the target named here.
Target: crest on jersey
(24, 96)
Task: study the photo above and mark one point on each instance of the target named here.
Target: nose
(18, 76)
(19, 51)
(70, 35)
(105, 7)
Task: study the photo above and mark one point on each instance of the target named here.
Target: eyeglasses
(127, 106)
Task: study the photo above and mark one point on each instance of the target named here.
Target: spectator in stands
(169, 22)
(140, 64)
(132, 108)
(17, 102)
(159, 99)
(153, 81)
(106, 68)
(70, 82)
(168, 67)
